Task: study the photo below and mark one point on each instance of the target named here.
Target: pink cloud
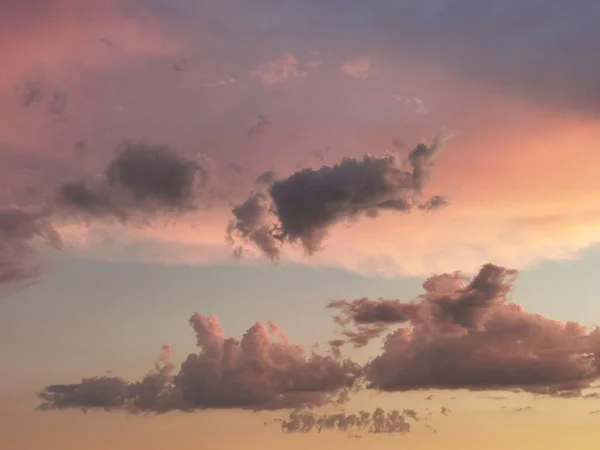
(464, 333)
(357, 68)
(279, 70)
(260, 371)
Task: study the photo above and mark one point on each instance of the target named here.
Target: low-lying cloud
(261, 371)
(379, 421)
(463, 334)
(302, 207)
(460, 334)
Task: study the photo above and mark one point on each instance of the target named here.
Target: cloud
(58, 105)
(33, 92)
(464, 334)
(19, 230)
(213, 81)
(236, 168)
(252, 223)
(180, 66)
(279, 70)
(260, 126)
(268, 177)
(261, 371)
(523, 408)
(141, 179)
(420, 107)
(307, 203)
(543, 53)
(357, 68)
(379, 421)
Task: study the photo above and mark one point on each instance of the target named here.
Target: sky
(326, 223)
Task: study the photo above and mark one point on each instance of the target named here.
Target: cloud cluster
(141, 182)
(302, 207)
(460, 334)
(379, 421)
(141, 179)
(19, 230)
(464, 334)
(260, 371)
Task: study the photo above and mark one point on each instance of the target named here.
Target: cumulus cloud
(19, 230)
(260, 371)
(463, 334)
(141, 179)
(302, 207)
(379, 421)
(279, 70)
(357, 68)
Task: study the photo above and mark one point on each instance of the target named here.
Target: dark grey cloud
(19, 231)
(523, 408)
(434, 203)
(302, 207)
(320, 153)
(466, 334)
(259, 128)
(180, 66)
(33, 92)
(398, 144)
(236, 168)
(141, 179)
(58, 103)
(379, 421)
(268, 177)
(260, 371)
(252, 223)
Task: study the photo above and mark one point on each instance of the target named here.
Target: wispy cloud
(357, 68)
(279, 70)
(419, 106)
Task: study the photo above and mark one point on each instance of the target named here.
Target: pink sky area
(219, 93)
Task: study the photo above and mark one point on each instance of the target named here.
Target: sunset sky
(419, 173)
